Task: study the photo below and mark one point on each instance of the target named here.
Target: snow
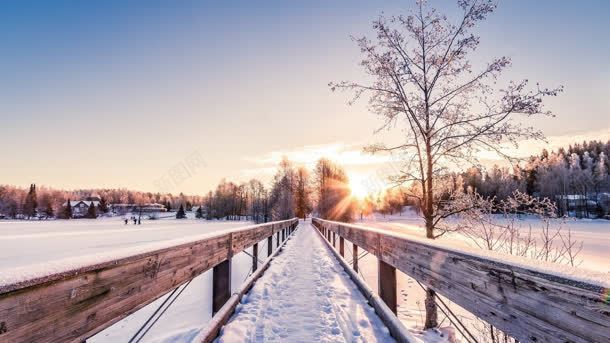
(305, 296)
(34, 249)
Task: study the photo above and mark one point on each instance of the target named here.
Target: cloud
(362, 165)
(347, 155)
(531, 147)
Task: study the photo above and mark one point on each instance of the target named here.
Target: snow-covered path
(305, 296)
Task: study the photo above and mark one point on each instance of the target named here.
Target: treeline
(576, 179)
(18, 202)
(294, 191)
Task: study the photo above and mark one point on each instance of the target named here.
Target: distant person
(126, 221)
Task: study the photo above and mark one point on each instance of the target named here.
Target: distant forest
(576, 178)
(290, 194)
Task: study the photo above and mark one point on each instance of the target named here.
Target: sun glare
(358, 187)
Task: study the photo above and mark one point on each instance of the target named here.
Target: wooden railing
(76, 304)
(529, 305)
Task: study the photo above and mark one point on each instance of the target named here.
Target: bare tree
(421, 78)
(302, 192)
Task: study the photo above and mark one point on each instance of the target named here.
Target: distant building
(122, 209)
(80, 207)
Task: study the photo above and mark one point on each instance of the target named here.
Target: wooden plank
(75, 304)
(342, 246)
(526, 304)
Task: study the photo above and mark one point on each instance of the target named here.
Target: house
(80, 207)
(122, 209)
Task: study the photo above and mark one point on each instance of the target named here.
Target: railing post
(334, 239)
(355, 256)
(387, 284)
(278, 239)
(342, 246)
(283, 234)
(221, 285)
(269, 245)
(254, 257)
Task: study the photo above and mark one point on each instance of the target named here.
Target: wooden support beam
(334, 239)
(387, 284)
(355, 256)
(221, 285)
(342, 246)
(269, 245)
(277, 242)
(254, 257)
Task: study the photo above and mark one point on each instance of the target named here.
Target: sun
(358, 187)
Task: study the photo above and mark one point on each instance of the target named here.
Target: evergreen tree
(68, 210)
(31, 203)
(199, 213)
(49, 211)
(103, 206)
(180, 214)
(92, 211)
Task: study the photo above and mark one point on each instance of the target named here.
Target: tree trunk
(431, 310)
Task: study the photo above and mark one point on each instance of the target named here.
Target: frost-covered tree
(333, 194)
(422, 80)
(282, 191)
(302, 193)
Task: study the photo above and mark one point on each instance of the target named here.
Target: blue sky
(116, 93)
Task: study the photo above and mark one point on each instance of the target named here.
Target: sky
(176, 95)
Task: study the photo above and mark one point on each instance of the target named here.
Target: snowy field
(24, 243)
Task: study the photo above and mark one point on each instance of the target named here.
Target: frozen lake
(24, 243)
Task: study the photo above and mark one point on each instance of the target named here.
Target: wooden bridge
(529, 305)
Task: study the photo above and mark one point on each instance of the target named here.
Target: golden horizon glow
(357, 186)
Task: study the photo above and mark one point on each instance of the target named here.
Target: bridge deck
(305, 296)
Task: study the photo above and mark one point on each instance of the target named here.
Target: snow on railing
(75, 300)
(529, 300)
